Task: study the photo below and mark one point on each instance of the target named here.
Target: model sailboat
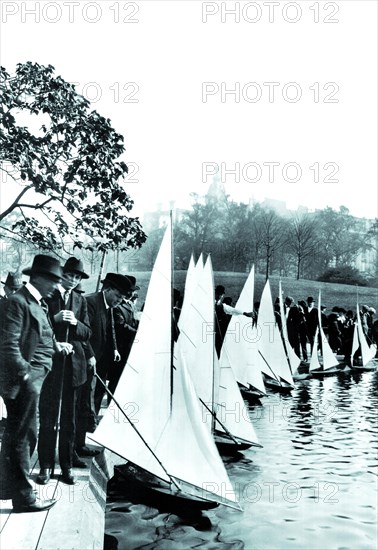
(239, 350)
(292, 357)
(165, 441)
(367, 352)
(329, 364)
(273, 359)
(223, 408)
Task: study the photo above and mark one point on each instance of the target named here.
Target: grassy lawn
(332, 294)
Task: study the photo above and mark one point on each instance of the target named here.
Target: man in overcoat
(126, 326)
(27, 345)
(103, 342)
(69, 317)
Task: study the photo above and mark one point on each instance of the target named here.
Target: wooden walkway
(75, 522)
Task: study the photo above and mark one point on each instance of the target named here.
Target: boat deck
(76, 521)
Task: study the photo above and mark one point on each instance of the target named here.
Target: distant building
(161, 216)
(367, 260)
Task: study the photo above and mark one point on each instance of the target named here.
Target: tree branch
(15, 204)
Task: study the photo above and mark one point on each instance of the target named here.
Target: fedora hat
(133, 282)
(121, 282)
(45, 265)
(75, 266)
(13, 280)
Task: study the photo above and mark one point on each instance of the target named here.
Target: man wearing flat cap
(103, 342)
(69, 318)
(27, 345)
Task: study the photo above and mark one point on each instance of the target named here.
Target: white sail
(294, 360)
(367, 352)
(230, 407)
(314, 362)
(190, 285)
(329, 358)
(216, 387)
(239, 347)
(196, 339)
(270, 343)
(169, 422)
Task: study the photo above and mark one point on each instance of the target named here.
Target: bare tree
(302, 240)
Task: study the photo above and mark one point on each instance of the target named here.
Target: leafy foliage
(67, 169)
(344, 274)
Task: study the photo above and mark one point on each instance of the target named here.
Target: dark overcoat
(98, 320)
(77, 334)
(19, 337)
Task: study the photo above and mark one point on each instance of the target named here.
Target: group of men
(57, 350)
(302, 320)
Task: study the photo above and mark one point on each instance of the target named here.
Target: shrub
(346, 275)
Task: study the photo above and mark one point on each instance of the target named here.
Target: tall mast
(172, 304)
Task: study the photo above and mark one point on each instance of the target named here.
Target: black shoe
(43, 476)
(77, 462)
(37, 506)
(86, 451)
(5, 492)
(67, 477)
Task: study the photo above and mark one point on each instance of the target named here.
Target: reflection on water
(312, 486)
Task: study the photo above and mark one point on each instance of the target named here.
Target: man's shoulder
(22, 296)
(93, 297)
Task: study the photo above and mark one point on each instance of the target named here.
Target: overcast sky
(277, 99)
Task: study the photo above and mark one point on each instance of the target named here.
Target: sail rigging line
(269, 367)
(138, 432)
(216, 419)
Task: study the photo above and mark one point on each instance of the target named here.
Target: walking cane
(57, 421)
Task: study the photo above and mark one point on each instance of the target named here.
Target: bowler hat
(45, 265)
(120, 282)
(310, 300)
(13, 280)
(73, 265)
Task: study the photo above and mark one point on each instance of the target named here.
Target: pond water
(312, 486)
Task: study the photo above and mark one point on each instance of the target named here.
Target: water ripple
(313, 485)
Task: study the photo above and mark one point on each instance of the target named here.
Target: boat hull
(229, 446)
(275, 385)
(141, 486)
(328, 372)
(372, 365)
(251, 395)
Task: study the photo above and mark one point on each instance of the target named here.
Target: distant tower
(216, 189)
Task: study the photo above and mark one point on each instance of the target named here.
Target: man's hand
(65, 348)
(91, 363)
(249, 314)
(65, 316)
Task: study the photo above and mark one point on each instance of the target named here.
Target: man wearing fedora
(27, 345)
(12, 283)
(103, 342)
(69, 318)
